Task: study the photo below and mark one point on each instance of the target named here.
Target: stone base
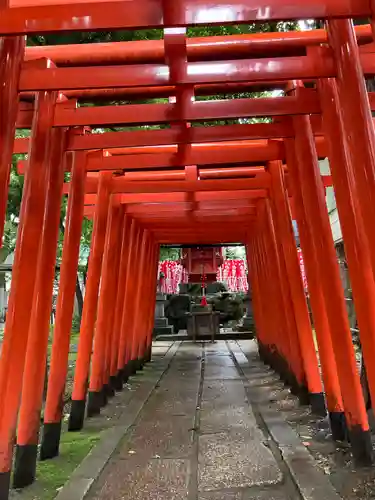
(161, 322)
(163, 330)
(248, 323)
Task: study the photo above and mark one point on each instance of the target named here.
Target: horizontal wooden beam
(133, 200)
(42, 17)
(164, 137)
(246, 153)
(151, 114)
(152, 75)
(120, 185)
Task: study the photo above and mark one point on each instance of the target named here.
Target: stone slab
(223, 393)
(234, 460)
(155, 479)
(160, 322)
(78, 486)
(311, 482)
(244, 494)
(171, 437)
(234, 417)
(163, 330)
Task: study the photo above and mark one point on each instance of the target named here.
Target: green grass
(74, 446)
(53, 474)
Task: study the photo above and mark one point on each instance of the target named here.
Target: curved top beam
(41, 16)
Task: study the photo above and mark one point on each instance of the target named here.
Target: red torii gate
(185, 185)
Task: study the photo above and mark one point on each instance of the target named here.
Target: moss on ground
(53, 474)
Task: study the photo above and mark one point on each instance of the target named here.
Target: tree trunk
(79, 296)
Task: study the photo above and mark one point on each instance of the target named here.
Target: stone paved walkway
(196, 438)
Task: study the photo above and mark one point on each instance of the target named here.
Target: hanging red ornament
(204, 302)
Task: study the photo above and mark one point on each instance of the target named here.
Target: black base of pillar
(94, 403)
(25, 465)
(293, 385)
(318, 404)
(148, 355)
(119, 380)
(284, 372)
(338, 425)
(108, 390)
(131, 367)
(361, 445)
(50, 440)
(303, 395)
(139, 362)
(125, 373)
(77, 415)
(4, 485)
(104, 397)
(116, 382)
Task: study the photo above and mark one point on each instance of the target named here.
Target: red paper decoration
(233, 273)
(174, 274)
(302, 267)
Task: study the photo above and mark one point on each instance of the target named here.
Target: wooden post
(90, 305)
(136, 326)
(116, 373)
(283, 225)
(132, 276)
(355, 240)
(36, 355)
(23, 281)
(97, 396)
(356, 119)
(12, 50)
(64, 311)
(303, 165)
(153, 281)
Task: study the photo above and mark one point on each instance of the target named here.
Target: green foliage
(235, 252)
(53, 474)
(167, 253)
(76, 323)
(155, 34)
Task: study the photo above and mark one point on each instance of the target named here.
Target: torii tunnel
(184, 183)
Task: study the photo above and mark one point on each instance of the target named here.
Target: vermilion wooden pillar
(77, 412)
(143, 306)
(262, 284)
(318, 306)
(128, 318)
(109, 388)
(252, 278)
(136, 327)
(357, 124)
(64, 311)
(152, 293)
(116, 372)
(96, 395)
(23, 280)
(284, 228)
(287, 340)
(306, 169)
(35, 363)
(260, 316)
(122, 362)
(12, 50)
(356, 244)
(149, 306)
(276, 349)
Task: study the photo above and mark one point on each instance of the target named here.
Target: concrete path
(197, 437)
